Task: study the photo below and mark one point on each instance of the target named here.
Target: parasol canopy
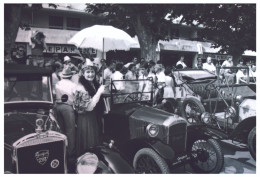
(103, 38)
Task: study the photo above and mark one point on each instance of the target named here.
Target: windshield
(27, 89)
(194, 74)
(129, 91)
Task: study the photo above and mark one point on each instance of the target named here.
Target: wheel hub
(203, 155)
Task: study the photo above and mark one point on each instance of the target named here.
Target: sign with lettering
(60, 49)
(67, 49)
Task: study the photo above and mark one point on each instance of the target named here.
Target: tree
(12, 22)
(231, 26)
(147, 21)
(12, 16)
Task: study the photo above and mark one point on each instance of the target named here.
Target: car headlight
(87, 163)
(239, 98)
(152, 130)
(205, 117)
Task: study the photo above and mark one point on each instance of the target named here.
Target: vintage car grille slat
(43, 153)
(178, 137)
(38, 141)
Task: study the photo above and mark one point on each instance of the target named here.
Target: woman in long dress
(89, 109)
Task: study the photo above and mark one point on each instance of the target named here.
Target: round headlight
(152, 130)
(239, 98)
(87, 163)
(205, 117)
(230, 112)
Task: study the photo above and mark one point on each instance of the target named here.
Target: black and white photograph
(129, 87)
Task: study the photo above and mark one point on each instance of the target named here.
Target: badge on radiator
(42, 156)
(55, 163)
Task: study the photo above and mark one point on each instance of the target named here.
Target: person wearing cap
(64, 110)
(69, 64)
(89, 108)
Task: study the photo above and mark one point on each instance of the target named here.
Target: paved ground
(237, 160)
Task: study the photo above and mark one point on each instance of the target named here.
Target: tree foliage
(231, 26)
(147, 21)
(12, 22)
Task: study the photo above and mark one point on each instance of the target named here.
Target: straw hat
(66, 73)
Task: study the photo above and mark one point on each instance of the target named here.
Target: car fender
(247, 109)
(244, 127)
(131, 147)
(199, 131)
(164, 150)
(113, 159)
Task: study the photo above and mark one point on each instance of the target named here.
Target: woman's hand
(101, 89)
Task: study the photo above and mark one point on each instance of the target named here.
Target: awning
(58, 36)
(53, 36)
(249, 53)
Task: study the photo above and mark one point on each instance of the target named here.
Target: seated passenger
(209, 66)
(228, 74)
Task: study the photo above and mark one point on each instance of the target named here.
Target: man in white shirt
(209, 66)
(109, 70)
(130, 75)
(64, 109)
(181, 62)
(117, 75)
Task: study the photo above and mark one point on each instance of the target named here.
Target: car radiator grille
(177, 137)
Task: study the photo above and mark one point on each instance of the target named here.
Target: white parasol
(103, 38)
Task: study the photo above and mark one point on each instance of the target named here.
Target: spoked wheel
(147, 160)
(131, 97)
(192, 109)
(207, 156)
(251, 142)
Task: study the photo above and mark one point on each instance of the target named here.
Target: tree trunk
(12, 16)
(147, 41)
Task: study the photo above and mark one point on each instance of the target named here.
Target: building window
(55, 22)
(73, 23)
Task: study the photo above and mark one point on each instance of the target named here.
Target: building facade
(60, 24)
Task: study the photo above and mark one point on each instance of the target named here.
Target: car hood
(156, 116)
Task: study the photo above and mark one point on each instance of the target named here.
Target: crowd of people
(78, 90)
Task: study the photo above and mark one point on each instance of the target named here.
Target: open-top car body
(155, 141)
(33, 142)
(227, 108)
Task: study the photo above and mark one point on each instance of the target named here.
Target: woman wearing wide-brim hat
(89, 107)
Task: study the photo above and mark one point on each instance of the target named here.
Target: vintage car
(153, 140)
(33, 142)
(228, 109)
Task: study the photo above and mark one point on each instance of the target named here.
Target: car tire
(251, 142)
(145, 157)
(193, 116)
(209, 157)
